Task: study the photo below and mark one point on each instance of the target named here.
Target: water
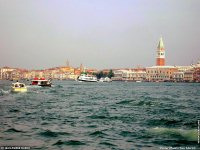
(117, 115)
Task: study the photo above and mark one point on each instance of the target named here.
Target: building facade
(160, 73)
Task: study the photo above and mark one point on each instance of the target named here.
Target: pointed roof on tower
(160, 44)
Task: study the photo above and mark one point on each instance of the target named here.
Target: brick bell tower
(160, 58)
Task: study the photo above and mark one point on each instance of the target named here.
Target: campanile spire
(160, 58)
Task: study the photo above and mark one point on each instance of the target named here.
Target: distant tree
(84, 72)
(99, 74)
(94, 74)
(103, 75)
(110, 74)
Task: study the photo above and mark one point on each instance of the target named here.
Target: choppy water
(117, 115)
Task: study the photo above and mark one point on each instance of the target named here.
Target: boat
(41, 82)
(106, 79)
(18, 87)
(87, 78)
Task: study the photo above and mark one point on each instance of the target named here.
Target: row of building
(60, 73)
(159, 72)
(153, 74)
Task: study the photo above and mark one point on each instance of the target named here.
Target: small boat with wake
(18, 87)
(41, 82)
(87, 78)
(106, 79)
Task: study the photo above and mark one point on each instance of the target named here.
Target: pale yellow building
(160, 73)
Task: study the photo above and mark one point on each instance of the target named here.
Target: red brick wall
(160, 62)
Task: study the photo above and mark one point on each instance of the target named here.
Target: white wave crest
(189, 135)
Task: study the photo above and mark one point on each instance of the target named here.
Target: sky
(40, 34)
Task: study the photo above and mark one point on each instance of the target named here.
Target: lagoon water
(117, 115)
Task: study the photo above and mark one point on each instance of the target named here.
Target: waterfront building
(160, 58)
(15, 75)
(81, 68)
(127, 74)
(91, 71)
(12, 73)
(67, 69)
(184, 74)
(178, 76)
(189, 76)
(72, 76)
(139, 74)
(27, 75)
(184, 68)
(37, 74)
(77, 71)
(196, 74)
(59, 75)
(193, 75)
(160, 73)
(136, 74)
(1, 73)
(119, 75)
(5, 72)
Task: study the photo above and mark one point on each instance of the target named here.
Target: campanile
(160, 58)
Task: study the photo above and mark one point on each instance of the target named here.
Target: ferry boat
(18, 87)
(41, 82)
(87, 78)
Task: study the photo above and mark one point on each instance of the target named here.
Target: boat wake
(189, 135)
(33, 86)
(3, 92)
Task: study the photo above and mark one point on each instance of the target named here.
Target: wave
(14, 110)
(58, 86)
(165, 122)
(53, 91)
(145, 103)
(189, 135)
(48, 133)
(98, 117)
(107, 144)
(97, 134)
(13, 130)
(70, 142)
(124, 102)
(127, 134)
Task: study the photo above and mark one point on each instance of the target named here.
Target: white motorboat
(106, 79)
(87, 78)
(18, 87)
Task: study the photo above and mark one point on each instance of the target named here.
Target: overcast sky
(38, 34)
